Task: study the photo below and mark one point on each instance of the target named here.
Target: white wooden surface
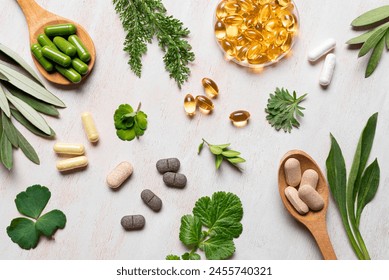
(94, 211)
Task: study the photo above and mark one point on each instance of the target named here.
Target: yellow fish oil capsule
(210, 87)
(239, 118)
(190, 105)
(220, 30)
(205, 104)
(232, 31)
(69, 149)
(221, 11)
(233, 20)
(242, 53)
(90, 127)
(229, 48)
(72, 163)
(265, 14)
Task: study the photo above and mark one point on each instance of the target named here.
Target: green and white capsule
(37, 52)
(56, 56)
(64, 29)
(69, 73)
(82, 51)
(64, 46)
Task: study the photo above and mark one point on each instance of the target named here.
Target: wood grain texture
(94, 211)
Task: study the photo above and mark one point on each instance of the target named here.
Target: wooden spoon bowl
(314, 221)
(37, 19)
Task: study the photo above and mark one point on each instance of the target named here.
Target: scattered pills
(168, 165)
(239, 118)
(190, 105)
(292, 195)
(175, 180)
(90, 127)
(69, 149)
(72, 163)
(328, 70)
(292, 172)
(151, 200)
(210, 87)
(311, 197)
(119, 174)
(310, 177)
(133, 222)
(322, 49)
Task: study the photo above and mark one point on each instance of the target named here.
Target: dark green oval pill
(82, 51)
(56, 56)
(69, 73)
(64, 29)
(43, 40)
(37, 52)
(80, 66)
(64, 46)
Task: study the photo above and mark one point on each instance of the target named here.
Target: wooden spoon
(37, 19)
(314, 221)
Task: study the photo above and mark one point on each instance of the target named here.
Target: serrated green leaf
(22, 120)
(19, 60)
(50, 222)
(215, 150)
(230, 153)
(126, 135)
(29, 86)
(191, 257)
(32, 201)
(372, 16)
(217, 248)
(9, 130)
(29, 113)
(4, 106)
(218, 161)
(190, 230)
(200, 148)
(236, 160)
(372, 41)
(172, 258)
(27, 149)
(375, 57)
(22, 231)
(6, 152)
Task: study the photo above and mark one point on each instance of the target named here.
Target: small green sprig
(222, 152)
(129, 124)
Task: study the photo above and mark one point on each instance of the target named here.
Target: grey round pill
(168, 165)
(151, 200)
(133, 222)
(174, 180)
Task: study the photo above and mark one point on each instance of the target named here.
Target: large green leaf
(4, 102)
(372, 16)
(6, 151)
(22, 231)
(217, 248)
(50, 222)
(190, 230)
(32, 201)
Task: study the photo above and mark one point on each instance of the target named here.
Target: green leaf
(387, 39)
(138, 131)
(27, 149)
(190, 230)
(200, 148)
(19, 60)
(172, 258)
(6, 152)
(215, 150)
(50, 222)
(191, 257)
(141, 120)
(375, 57)
(218, 248)
(22, 231)
(4, 102)
(9, 130)
(29, 113)
(223, 146)
(372, 41)
(372, 16)
(218, 161)
(123, 110)
(230, 153)
(236, 160)
(221, 214)
(2, 77)
(27, 124)
(126, 135)
(29, 86)
(361, 38)
(32, 201)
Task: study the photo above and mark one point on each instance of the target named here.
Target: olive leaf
(9, 130)
(372, 41)
(375, 57)
(372, 16)
(4, 106)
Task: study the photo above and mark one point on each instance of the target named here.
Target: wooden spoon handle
(32, 11)
(319, 232)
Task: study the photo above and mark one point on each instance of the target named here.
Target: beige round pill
(119, 174)
(311, 197)
(72, 163)
(292, 172)
(310, 177)
(292, 195)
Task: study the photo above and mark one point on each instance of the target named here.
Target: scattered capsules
(210, 87)
(292, 195)
(311, 197)
(328, 70)
(90, 127)
(174, 180)
(168, 165)
(69, 149)
(190, 105)
(72, 163)
(239, 118)
(292, 172)
(119, 174)
(205, 104)
(133, 222)
(151, 200)
(322, 49)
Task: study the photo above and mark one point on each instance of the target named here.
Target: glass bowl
(256, 33)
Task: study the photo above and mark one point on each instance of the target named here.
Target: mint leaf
(50, 222)
(22, 231)
(191, 257)
(32, 201)
(190, 230)
(218, 248)
(172, 258)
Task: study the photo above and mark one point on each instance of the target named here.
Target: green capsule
(64, 29)
(56, 56)
(80, 66)
(37, 52)
(64, 46)
(69, 73)
(81, 50)
(43, 40)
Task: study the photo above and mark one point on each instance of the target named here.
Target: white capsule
(328, 70)
(321, 50)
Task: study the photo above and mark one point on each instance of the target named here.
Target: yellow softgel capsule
(190, 104)
(205, 104)
(210, 87)
(69, 149)
(72, 163)
(90, 127)
(220, 30)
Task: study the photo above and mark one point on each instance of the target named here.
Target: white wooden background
(93, 230)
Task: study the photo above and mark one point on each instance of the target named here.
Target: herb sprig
(283, 108)
(354, 194)
(222, 152)
(374, 39)
(212, 227)
(144, 19)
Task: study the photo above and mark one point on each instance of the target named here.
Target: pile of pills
(169, 168)
(301, 191)
(329, 62)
